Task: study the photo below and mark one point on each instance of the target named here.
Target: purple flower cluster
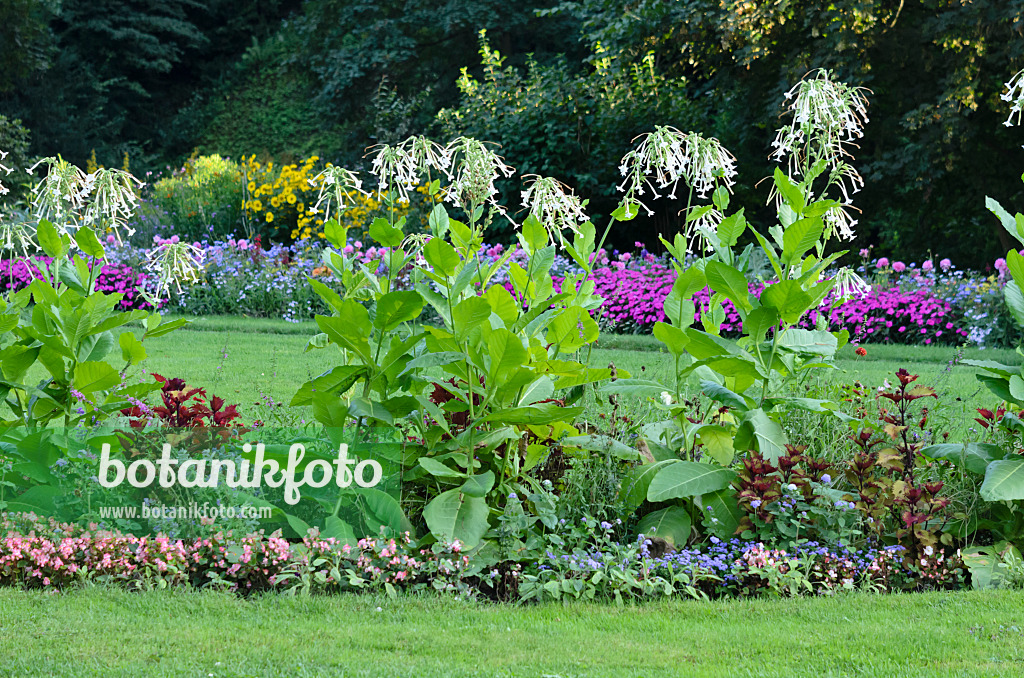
(635, 298)
(17, 274)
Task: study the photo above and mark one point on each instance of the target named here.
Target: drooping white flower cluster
(401, 167)
(1015, 95)
(173, 263)
(827, 117)
(554, 205)
(113, 201)
(69, 198)
(667, 156)
(849, 285)
(338, 188)
(476, 169)
(5, 170)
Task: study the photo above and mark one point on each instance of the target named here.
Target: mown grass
(104, 632)
(243, 359)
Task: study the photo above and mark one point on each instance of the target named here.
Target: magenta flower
(899, 266)
(882, 263)
(945, 264)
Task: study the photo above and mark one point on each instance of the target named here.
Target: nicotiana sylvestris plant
(687, 477)
(476, 393)
(64, 325)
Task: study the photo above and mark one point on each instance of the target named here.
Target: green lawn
(244, 358)
(102, 632)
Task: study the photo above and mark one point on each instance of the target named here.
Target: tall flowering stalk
(827, 117)
(475, 172)
(338, 188)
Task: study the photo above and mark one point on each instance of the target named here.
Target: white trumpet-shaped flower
(60, 197)
(402, 167)
(827, 116)
(1015, 95)
(174, 263)
(338, 189)
(476, 167)
(554, 205)
(838, 222)
(18, 237)
(849, 285)
(5, 170)
(667, 156)
(112, 202)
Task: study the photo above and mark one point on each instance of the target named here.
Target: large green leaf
(455, 515)
(395, 308)
(334, 381)
(673, 337)
(384, 233)
(799, 238)
(441, 256)
(758, 432)
(634, 388)
(722, 514)
(717, 441)
(350, 328)
(95, 376)
(1014, 301)
(1004, 480)
(671, 524)
(602, 444)
(975, 457)
(506, 354)
(788, 298)
(633, 491)
(730, 282)
(687, 479)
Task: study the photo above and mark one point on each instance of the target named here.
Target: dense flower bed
(47, 554)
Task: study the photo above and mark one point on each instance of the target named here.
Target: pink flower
(927, 265)
(945, 264)
(882, 263)
(1001, 265)
(899, 266)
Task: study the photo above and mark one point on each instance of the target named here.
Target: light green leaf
(688, 478)
(671, 524)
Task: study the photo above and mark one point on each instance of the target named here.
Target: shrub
(201, 200)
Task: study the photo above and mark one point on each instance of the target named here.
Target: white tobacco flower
(174, 263)
(60, 196)
(838, 222)
(18, 237)
(5, 170)
(401, 168)
(112, 202)
(338, 188)
(827, 115)
(1015, 95)
(849, 285)
(667, 156)
(554, 205)
(475, 172)
(697, 229)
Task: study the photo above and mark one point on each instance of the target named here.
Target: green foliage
(551, 119)
(204, 202)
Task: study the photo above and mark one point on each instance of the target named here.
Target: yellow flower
(270, 217)
(252, 186)
(291, 198)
